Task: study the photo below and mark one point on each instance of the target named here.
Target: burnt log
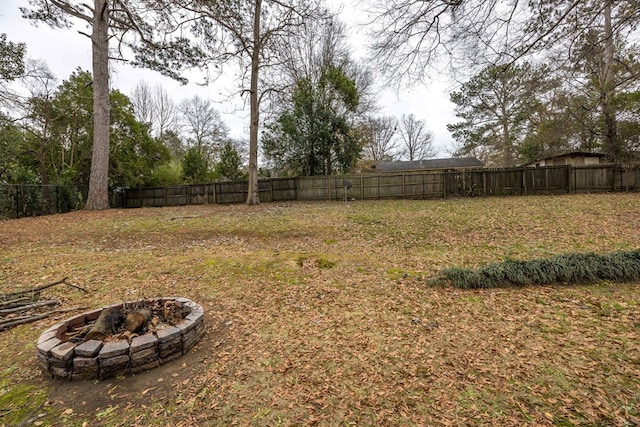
(137, 319)
(107, 324)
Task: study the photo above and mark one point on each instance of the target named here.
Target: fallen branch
(36, 317)
(15, 302)
(16, 318)
(29, 307)
(42, 287)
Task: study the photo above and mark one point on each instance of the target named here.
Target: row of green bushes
(576, 268)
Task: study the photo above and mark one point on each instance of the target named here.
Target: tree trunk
(611, 147)
(253, 197)
(98, 196)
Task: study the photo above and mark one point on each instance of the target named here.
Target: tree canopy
(315, 136)
(150, 29)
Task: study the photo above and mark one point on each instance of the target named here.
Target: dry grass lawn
(319, 314)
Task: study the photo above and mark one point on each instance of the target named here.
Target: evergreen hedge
(575, 268)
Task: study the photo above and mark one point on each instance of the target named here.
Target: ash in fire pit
(121, 339)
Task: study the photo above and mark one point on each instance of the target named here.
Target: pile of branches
(21, 307)
(575, 268)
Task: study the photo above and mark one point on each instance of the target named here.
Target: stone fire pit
(67, 357)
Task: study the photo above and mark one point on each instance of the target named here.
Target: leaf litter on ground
(320, 314)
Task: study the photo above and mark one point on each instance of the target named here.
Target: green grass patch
(19, 402)
(575, 268)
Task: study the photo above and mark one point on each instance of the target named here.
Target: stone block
(113, 371)
(75, 322)
(145, 361)
(195, 316)
(167, 334)
(60, 372)
(85, 362)
(169, 348)
(46, 346)
(186, 325)
(144, 356)
(61, 331)
(189, 335)
(43, 361)
(114, 361)
(189, 344)
(89, 348)
(112, 349)
(55, 327)
(87, 371)
(59, 363)
(46, 336)
(143, 342)
(64, 351)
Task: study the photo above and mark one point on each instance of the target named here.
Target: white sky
(66, 50)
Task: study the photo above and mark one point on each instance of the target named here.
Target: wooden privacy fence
(408, 185)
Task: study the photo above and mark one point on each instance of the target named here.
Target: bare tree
(154, 107)
(311, 49)
(165, 112)
(416, 138)
(378, 136)
(410, 37)
(150, 29)
(142, 101)
(202, 126)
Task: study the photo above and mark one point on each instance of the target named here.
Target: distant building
(455, 163)
(575, 158)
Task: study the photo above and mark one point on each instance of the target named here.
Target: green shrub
(570, 268)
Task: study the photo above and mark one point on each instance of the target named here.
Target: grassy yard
(320, 314)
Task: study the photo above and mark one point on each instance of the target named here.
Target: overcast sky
(66, 50)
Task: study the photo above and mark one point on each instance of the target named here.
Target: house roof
(569, 154)
(428, 164)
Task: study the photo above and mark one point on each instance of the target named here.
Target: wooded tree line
(320, 121)
(538, 78)
(48, 138)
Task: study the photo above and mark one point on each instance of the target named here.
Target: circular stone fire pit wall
(94, 359)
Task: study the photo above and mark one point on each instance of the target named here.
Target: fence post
(524, 181)
(484, 182)
(444, 184)
(17, 201)
(271, 188)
